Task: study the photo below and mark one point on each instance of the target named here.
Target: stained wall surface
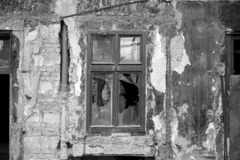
(186, 81)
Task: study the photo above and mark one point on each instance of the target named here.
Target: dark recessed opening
(112, 158)
(236, 56)
(4, 117)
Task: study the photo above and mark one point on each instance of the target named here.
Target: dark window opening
(236, 56)
(111, 158)
(4, 117)
(5, 54)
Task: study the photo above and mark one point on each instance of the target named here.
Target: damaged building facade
(119, 79)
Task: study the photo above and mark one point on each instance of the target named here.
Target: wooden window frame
(116, 68)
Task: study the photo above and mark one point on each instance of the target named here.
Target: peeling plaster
(158, 75)
(179, 56)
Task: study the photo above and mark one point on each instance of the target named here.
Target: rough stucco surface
(184, 42)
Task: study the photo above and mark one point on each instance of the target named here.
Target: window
(116, 82)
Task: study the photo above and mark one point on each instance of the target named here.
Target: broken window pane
(102, 49)
(129, 99)
(4, 53)
(101, 99)
(130, 49)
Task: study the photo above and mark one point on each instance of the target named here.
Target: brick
(51, 118)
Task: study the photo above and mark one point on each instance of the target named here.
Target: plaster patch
(157, 123)
(45, 87)
(44, 31)
(30, 36)
(178, 15)
(26, 83)
(54, 30)
(183, 142)
(51, 59)
(214, 88)
(211, 136)
(160, 125)
(33, 119)
(179, 57)
(216, 93)
(158, 75)
(74, 36)
(36, 45)
(174, 124)
(183, 109)
(219, 109)
(38, 60)
(73, 120)
(51, 118)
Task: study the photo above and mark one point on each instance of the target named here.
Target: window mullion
(115, 99)
(115, 87)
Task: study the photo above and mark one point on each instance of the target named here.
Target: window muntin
(112, 107)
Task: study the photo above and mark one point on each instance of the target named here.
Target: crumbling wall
(197, 95)
(184, 73)
(34, 77)
(141, 17)
(40, 77)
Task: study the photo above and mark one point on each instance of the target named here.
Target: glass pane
(129, 99)
(4, 53)
(130, 49)
(102, 49)
(102, 99)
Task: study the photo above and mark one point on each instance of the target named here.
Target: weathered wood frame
(116, 68)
